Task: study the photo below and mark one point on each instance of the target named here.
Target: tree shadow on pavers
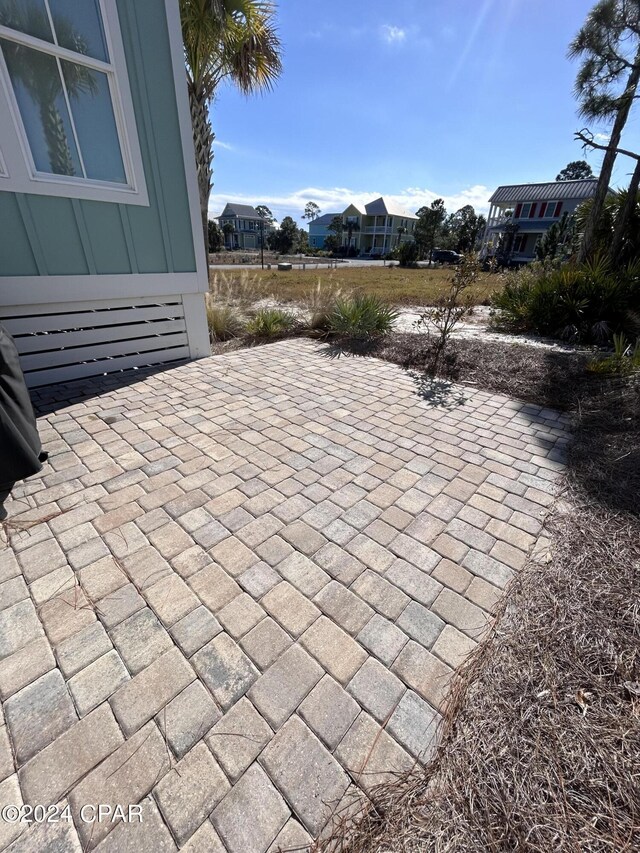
(52, 398)
(436, 392)
(345, 348)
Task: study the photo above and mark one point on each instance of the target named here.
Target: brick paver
(239, 591)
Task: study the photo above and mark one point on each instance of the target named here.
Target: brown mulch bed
(540, 744)
(548, 377)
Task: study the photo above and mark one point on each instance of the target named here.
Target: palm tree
(401, 230)
(351, 227)
(224, 39)
(609, 45)
(38, 73)
(229, 229)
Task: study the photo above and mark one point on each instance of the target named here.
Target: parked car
(446, 256)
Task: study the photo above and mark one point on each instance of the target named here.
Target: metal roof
(324, 221)
(551, 191)
(240, 210)
(383, 207)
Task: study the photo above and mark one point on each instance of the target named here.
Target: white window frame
(21, 175)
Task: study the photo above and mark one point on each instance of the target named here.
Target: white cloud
(336, 199)
(217, 143)
(602, 137)
(393, 35)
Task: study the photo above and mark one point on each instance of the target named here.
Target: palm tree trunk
(56, 138)
(624, 214)
(203, 137)
(626, 102)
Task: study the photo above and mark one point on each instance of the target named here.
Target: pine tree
(609, 46)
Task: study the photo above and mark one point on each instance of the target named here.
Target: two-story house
(373, 230)
(248, 227)
(530, 209)
(386, 226)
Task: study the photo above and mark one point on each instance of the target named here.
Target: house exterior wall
(318, 237)
(55, 251)
(380, 233)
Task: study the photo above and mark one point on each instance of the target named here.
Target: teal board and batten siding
(55, 251)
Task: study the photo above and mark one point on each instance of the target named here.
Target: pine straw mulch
(540, 744)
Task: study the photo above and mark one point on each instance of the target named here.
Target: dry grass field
(392, 284)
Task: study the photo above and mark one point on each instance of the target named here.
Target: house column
(195, 318)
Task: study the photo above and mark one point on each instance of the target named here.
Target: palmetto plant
(224, 39)
(361, 316)
(604, 235)
(270, 323)
(34, 70)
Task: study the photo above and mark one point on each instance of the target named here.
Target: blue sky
(413, 99)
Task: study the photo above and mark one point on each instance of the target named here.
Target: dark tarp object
(21, 452)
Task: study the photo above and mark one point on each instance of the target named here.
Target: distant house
(102, 263)
(385, 226)
(531, 209)
(248, 227)
(376, 229)
(319, 230)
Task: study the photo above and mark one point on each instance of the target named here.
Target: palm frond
(230, 38)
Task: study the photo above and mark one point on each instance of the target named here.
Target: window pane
(38, 90)
(95, 123)
(26, 16)
(78, 26)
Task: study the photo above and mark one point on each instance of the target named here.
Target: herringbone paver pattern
(237, 594)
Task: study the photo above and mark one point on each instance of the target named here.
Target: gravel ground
(476, 327)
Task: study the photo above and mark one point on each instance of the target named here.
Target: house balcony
(377, 229)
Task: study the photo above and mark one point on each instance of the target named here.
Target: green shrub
(361, 316)
(223, 323)
(270, 322)
(408, 254)
(586, 304)
(625, 358)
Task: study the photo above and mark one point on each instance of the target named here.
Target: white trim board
(186, 134)
(49, 290)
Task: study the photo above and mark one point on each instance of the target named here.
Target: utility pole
(262, 242)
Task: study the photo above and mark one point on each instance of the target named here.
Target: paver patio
(244, 586)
